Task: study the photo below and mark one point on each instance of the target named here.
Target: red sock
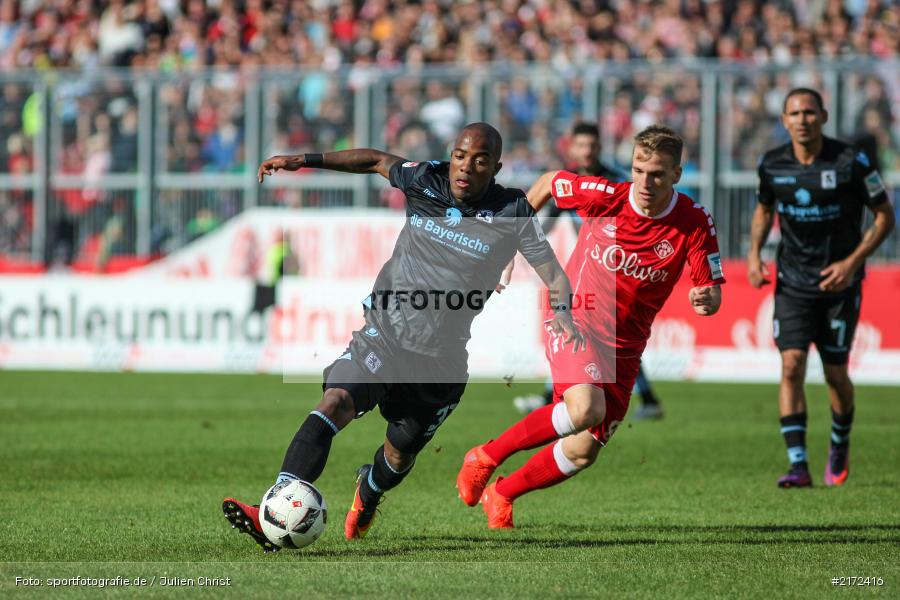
(539, 472)
(535, 429)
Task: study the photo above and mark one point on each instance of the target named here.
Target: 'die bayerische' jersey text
(820, 209)
(447, 260)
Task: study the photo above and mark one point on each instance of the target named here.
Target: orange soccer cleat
(497, 508)
(474, 475)
(359, 517)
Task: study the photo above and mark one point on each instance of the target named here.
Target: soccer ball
(293, 514)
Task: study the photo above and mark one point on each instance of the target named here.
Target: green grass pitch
(105, 475)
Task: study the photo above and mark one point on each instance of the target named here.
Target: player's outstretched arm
(540, 191)
(358, 160)
(757, 272)
(554, 277)
(839, 275)
(705, 300)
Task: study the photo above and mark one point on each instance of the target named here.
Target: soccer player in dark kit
(410, 358)
(819, 188)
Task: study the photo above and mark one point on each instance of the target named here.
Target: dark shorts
(414, 393)
(829, 323)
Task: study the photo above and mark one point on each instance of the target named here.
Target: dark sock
(793, 428)
(306, 456)
(840, 427)
(381, 478)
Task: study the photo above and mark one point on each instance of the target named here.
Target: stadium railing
(105, 169)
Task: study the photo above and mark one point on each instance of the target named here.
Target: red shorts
(595, 366)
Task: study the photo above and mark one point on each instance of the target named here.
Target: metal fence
(109, 162)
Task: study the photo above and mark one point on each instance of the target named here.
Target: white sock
(566, 466)
(562, 422)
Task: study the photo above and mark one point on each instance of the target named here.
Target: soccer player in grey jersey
(819, 187)
(410, 358)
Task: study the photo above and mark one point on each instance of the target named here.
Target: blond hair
(662, 140)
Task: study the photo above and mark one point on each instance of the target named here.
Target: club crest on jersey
(409, 164)
(829, 179)
(593, 371)
(610, 230)
(663, 249)
(373, 362)
(563, 188)
(453, 217)
(485, 215)
(863, 159)
(802, 196)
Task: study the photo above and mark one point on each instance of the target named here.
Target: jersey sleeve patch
(563, 188)
(409, 164)
(874, 184)
(715, 265)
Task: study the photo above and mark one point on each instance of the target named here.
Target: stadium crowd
(343, 44)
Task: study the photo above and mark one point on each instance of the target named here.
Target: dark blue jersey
(448, 259)
(820, 209)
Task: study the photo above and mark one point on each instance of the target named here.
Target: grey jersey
(447, 260)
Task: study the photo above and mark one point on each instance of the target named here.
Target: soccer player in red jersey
(636, 239)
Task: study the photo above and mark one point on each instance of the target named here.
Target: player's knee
(588, 408)
(793, 369)
(337, 405)
(837, 378)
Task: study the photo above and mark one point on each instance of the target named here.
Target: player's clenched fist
(705, 300)
(277, 163)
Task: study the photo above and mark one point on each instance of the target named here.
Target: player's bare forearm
(540, 191)
(554, 277)
(763, 217)
(706, 300)
(873, 237)
(358, 160)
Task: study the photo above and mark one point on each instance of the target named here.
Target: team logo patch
(485, 215)
(874, 184)
(802, 196)
(715, 265)
(563, 188)
(410, 164)
(593, 371)
(829, 179)
(610, 230)
(663, 249)
(373, 362)
(371, 332)
(453, 217)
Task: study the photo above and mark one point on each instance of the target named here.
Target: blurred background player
(408, 339)
(639, 235)
(819, 187)
(583, 154)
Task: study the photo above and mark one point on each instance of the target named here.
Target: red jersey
(628, 260)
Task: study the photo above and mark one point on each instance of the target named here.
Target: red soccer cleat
(474, 475)
(245, 518)
(359, 517)
(497, 508)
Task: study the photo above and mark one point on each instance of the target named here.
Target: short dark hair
(585, 128)
(800, 91)
(495, 140)
(661, 140)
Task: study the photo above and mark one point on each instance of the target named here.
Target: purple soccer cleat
(797, 477)
(838, 468)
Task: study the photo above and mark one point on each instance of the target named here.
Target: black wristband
(314, 160)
